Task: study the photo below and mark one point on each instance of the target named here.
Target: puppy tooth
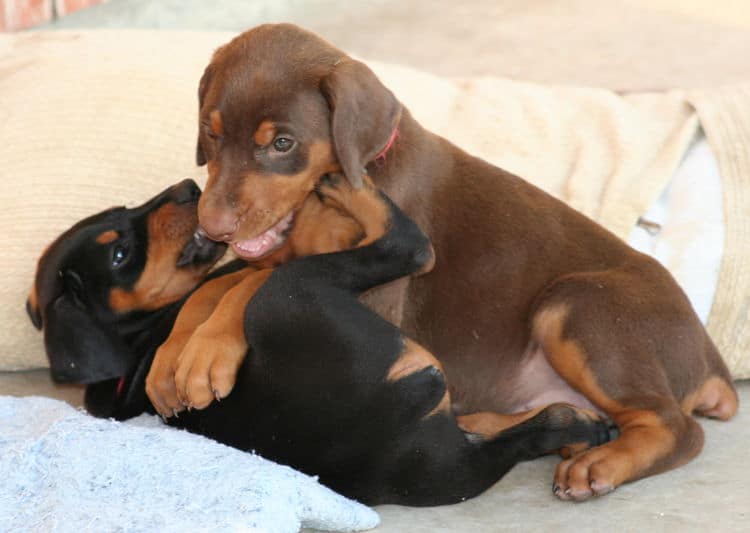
(176, 413)
(216, 395)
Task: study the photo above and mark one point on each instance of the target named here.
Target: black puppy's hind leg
(556, 427)
(415, 396)
(441, 465)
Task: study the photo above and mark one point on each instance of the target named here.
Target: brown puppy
(529, 303)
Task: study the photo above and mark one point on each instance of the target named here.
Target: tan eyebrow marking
(265, 133)
(107, 237)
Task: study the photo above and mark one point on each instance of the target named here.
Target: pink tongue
(265, 242)
(257, 246)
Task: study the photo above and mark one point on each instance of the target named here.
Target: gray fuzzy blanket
(63, 470)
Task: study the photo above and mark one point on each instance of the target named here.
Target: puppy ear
(34, 314)
(79, 348)
(200, 155)
(364, 114)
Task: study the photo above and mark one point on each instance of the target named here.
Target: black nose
(186, 191)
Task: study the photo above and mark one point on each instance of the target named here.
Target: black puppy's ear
(79, 348)
(34, 314)
(364, 114)
(200, 155)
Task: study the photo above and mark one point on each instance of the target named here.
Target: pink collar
(389, 144)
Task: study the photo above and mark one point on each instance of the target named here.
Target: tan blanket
(91, 119)
(725, 116)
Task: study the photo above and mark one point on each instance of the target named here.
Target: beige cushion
(88, 121)
(98, 118)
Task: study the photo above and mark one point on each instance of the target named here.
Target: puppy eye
(282, 144)
(120, 254)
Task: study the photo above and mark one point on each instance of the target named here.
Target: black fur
(312, 392)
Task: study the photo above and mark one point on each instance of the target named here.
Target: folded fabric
(63, 470)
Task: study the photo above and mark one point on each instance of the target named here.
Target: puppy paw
(160, 382)
(594, 472)
(207, 368)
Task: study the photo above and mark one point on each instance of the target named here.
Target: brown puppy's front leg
(207, 367)
(160, 385)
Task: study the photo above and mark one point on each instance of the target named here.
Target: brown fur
(160, 382)
(209, 361)
(199, 360)
(649, 435)
(714, 399)
(516, 269)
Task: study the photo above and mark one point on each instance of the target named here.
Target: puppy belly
(538, 384)
(532, 383)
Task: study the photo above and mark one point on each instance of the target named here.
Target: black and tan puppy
(107, 291)
(328, 387)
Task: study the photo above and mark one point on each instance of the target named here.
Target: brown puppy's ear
(364, 114)
(200, 155)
